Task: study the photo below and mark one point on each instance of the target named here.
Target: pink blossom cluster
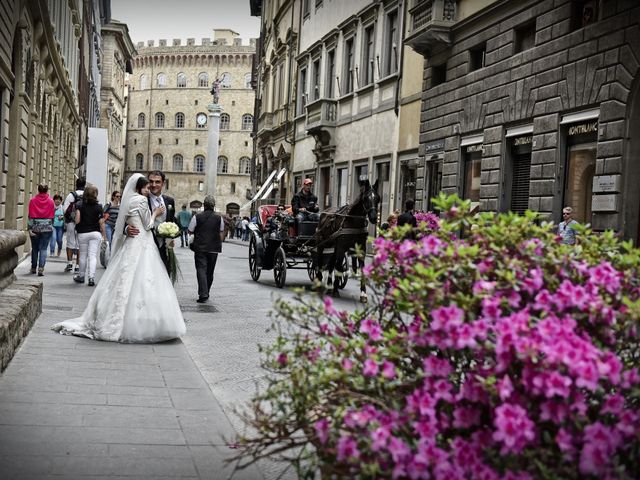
(511, 369)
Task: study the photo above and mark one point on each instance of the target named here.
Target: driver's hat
(307, 181)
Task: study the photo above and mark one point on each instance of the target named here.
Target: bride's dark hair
(141, 183)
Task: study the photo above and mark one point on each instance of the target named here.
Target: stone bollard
(20, 299)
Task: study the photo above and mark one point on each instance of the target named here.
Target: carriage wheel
(311, 270)
(341, 282)
(254, 269)
(280, 268)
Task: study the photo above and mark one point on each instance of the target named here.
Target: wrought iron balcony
(431, 22)
(321, 114)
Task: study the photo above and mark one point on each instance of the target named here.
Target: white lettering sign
(604, 203)
(606, 184)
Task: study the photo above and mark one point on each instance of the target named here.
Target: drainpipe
(286, 108)
(402, 8)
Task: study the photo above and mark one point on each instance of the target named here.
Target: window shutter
(520, 186)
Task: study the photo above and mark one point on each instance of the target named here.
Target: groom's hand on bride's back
(131, 231)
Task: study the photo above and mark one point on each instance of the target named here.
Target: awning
(274, 182)
(472, 140)
(517, 131)
(580, 116)
(268, 184)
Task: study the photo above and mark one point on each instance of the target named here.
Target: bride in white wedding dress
(134, 301)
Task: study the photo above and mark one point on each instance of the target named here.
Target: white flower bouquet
(168, 230)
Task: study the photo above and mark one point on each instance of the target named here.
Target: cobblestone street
(76, 408)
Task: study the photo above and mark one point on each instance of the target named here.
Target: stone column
(211, 175)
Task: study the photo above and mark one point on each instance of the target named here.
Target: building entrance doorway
(631, 168)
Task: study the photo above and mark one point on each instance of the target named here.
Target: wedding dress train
(134, 301)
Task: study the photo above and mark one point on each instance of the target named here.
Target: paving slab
(76, 408)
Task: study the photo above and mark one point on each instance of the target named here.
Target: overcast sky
(169, 19)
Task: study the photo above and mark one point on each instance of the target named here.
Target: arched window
(177, 162)
(144, 81)
(159, 120)
(139, 162)
(225, 120)
(182, 80)
(247, 80)
(245, 166)
(198, 164)
(225, 80)
(203, 79)
(247, 121)
(179, 120)
(141, 120)
(157, 162)
(161, 80)
(223, 164)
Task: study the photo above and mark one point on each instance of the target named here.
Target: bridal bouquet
(168, 230)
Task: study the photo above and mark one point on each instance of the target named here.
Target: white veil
(125, 203)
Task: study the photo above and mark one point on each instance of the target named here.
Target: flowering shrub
(501, 354)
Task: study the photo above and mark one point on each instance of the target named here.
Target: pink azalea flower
(370, 368)
(398, 449)
(282, 359)
(388, 370)
(565, 442)
(347, 364)
(505, 388)
(379, 438)
(443, 318)
(514, 429)
(328, 306)
(347, 448)
(322, 430)
(372, 328)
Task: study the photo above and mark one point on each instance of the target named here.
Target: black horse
(343, 231)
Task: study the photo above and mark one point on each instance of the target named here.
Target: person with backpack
(71, 203)
(90, 231)
(41, 213)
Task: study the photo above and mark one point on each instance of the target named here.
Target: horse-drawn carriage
(277, 242)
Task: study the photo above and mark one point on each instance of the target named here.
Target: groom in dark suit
(156, 199)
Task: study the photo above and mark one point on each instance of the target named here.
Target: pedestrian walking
(73, 200)
(111, 211)
(91, 231)
(239, 227)
(40, 225)
(207, 228)
(566, 228)
(245, 229)
(58, 226)
(184, 219)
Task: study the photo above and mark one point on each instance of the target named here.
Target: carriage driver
(305, 203)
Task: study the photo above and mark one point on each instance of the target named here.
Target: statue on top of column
(215, 90)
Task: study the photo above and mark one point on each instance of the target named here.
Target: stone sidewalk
(73, 408)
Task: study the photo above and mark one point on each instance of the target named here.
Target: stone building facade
(40, 123)
(534, 104)
(118, 51)
(352, 105)
(167, 116)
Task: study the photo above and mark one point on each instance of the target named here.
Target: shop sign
(604, 203)
(474, 148)
(582, 128)
(606, 183)
(435, 146)
(526, 140)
